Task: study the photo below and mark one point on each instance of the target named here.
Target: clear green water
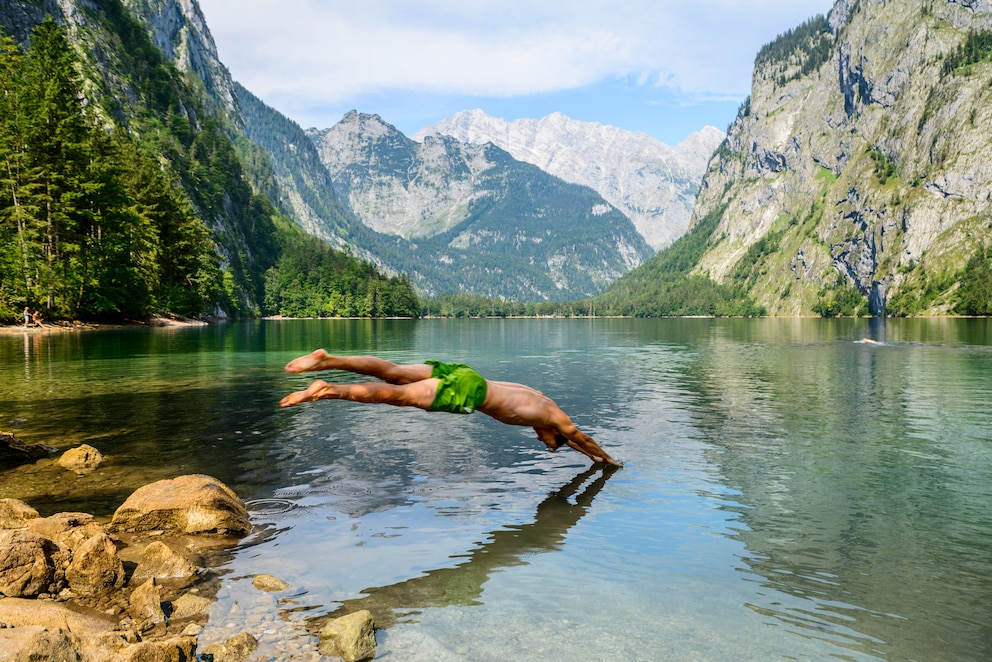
(789, 493)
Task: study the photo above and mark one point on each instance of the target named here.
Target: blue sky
(663, 67)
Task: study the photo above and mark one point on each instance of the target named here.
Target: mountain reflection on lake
(789, 491)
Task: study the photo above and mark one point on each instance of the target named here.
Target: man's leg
(416, 394)
(371, 366)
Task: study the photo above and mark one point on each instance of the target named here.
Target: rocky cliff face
(395, 185)
(653, 184)
(478, 220)
(178, 29)
(859, 161)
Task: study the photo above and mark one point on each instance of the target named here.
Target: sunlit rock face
(861, 155)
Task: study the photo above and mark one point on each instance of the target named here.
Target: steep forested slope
(124, 193)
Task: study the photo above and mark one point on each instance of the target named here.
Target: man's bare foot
(315, 360)
(316, 391)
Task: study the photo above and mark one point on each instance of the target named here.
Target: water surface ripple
(789, 491)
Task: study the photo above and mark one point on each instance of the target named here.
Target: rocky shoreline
(139, 587)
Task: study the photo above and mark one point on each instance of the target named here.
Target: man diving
(450, 387)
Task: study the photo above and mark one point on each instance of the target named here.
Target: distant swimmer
(869, 341)
(450, 387)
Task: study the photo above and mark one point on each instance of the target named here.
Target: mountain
(477, 220)
(856, 177)
(651, 183)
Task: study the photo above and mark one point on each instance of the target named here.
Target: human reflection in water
(462, 584)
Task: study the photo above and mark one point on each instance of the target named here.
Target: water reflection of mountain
(506, 547)
(861, 486)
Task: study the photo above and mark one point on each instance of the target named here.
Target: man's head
(551, 438)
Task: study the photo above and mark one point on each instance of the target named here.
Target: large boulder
(14, 452)
(95, 567)
(15, 514)
(184, 505)
(30, 564)
(350, 637)
(81, 459)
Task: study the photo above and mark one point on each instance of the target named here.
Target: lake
(789, 492)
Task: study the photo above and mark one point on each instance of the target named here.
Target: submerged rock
(235, 649)
(269, 584)
(187, 505)
(14, 452)
(82, 459)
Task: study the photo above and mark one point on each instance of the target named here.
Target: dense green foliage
(471, 305)
(974, 294)
(89, 224)
(976, 48)
(313, 280)
(840, 300)
(131, 200)
(798, 52)
(665, 286)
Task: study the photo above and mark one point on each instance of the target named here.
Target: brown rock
(188, 504)
(43, 644)
(351, 637)
(162, 563)
(189, 606)
(21, 612)
(269, 584)
(81, 459)
(30, 564)
(14, 514)
(69, 529)
(145, 605)
(235, 649)
(176, 649)
(95, 567)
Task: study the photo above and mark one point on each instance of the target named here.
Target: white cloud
(309, 53)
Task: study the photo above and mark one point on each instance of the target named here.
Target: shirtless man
(451, 387)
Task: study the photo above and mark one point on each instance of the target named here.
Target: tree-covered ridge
(666, 285)
(90, 226)
(976, 48)
(122, 196)
(314, 280)
(797, 52)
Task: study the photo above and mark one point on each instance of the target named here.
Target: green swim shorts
(461, 390)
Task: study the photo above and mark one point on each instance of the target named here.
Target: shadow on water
(507, 547)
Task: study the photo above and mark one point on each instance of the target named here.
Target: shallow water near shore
(789, 492)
